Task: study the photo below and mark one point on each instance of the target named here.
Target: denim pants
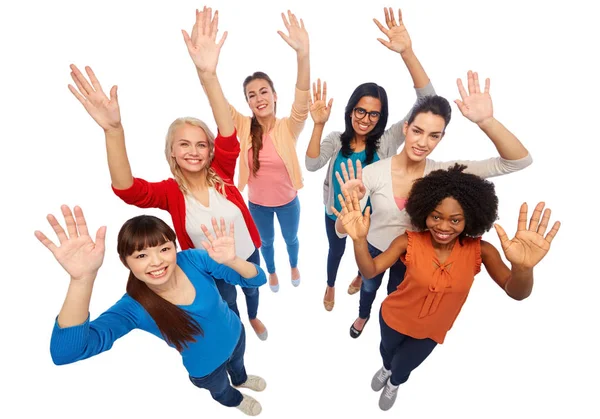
(229, 293)
(337, 247)
(401, 353)
(369, 287)
(289, 219)
(217, 382)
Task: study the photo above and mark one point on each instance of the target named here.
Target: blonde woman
(202, 166)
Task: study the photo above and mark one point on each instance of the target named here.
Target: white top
(197, 214)
(389, 222)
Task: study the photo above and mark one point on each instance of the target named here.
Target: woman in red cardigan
(203, 167)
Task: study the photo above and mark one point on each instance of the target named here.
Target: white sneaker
(380, 379)
(388, 396)
(253, 382)
(250, 406)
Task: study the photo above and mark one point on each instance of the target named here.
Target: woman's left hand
(221, 248)
(297, 37)
(475, 106)
(529, 246)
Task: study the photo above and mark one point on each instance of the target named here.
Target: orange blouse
(432, 294)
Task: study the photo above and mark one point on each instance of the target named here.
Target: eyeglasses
(360, 113)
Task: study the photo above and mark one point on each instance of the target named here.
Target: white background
(534, 358)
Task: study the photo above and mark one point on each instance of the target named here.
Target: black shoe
(354, 333)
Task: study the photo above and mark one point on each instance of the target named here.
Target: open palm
(202, 45)
(398, 37)
(351, 182)
(319, 108)
(221, 247)
(297, 37)
(354, 222)
(104, 110)
(476, 106)
(529, 246)
(78, 254)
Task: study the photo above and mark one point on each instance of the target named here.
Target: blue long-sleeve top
(221, 326)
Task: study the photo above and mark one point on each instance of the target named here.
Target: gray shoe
(388, 397)
(250, 406)
(380, 379)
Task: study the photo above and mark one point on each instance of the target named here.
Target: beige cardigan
(284, 135)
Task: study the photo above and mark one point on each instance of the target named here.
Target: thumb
(461, 106)
(501, 234)
(113, 94)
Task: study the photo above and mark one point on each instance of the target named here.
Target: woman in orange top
(451, 210)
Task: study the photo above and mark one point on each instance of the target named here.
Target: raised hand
(104, 110)
(350, 182)
(78, 254)
(475, 106)
(398, 38)
(529, 246)
(221, 248)
(297, 37)
(355, 223)
(319, 108)
(202, 45)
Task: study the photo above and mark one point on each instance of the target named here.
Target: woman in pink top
(202, 165)
(268, 161)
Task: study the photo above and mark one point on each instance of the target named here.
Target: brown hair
(212, 178)
(256, 130)
(176, 325)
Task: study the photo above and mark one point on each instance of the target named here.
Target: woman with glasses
(364, 139)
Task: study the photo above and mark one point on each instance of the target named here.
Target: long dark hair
(435, 104)
(175, 324)
(256, 130)
(372, 140)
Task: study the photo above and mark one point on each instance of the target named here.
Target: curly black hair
(476, 196)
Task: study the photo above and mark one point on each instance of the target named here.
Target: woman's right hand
(78, 254)
(202, 45)
(104, 110)
(354, 222)
(398, 37)
(352, 182)
(319, 108)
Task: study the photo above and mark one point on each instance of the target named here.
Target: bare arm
(369, 267)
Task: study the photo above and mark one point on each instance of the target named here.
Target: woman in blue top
(365, 137)
(169, 294)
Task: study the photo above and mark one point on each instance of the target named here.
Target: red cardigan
(167, 196)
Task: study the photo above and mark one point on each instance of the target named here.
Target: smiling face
(365, 115)
(154, 265)
(191, 148)
(261, 98)
(446, 222)
(423, 135)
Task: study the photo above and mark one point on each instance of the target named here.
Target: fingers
(501, 234)
(80, 80)
(336, 213)
(545, 220)
(476, 82)
(187, 39)
(470, 82)
(380, 26)
(385, 43)
(223, 227)
(330, 104)
(355, 203)
(461, 106)
(522, 224)
(318, 96)
(367, 216)
(77, 95)
(69, 221)
(324, 97)
(343, 204)
(552, 233)
(351, 169)
(392, 17)
(93, 79)
(101, 238)
(461, 90)
(60, 233)
(206, 246)
(285, 21)
(487, 86)
(348, 200)
(113, 94)
(231, 230)
(207, 233)
(400, 22)
(358, 170)
(339, 179)
(285, 38)
(536, 216)
(80, 221)
(216, 228)
(45, 241)
(345, 172)
(293, 19)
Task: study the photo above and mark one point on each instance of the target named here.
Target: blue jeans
(369, 287)
(289, 219)
(337, 247)
(401, 353)
(217, 382)
(229, 293)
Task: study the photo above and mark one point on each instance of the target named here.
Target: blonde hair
(212, 178)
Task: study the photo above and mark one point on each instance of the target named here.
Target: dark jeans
(217, 382)
(402, 354)
(369, 287)
(289, 219)
(337, 247)
(229, 293)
